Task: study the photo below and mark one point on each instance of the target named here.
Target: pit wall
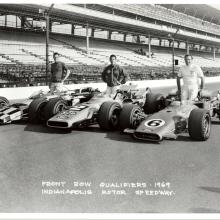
(25, 92)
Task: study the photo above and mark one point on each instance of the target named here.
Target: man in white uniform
(190, 73)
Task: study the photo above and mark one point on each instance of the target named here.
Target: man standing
(190, 73)
(113, 75)
(59, 73)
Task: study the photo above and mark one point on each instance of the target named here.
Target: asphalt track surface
(187, 171)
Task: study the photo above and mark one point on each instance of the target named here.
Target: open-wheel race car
(166, 118)
(40, 106)
(100, 109)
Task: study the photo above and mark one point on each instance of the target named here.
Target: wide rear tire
(199, 124)
(36, 109)
(109, 115)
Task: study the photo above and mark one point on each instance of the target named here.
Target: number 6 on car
(151, 124)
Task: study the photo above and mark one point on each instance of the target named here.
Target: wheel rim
(60, 108)
(135, 118)
(114, 117)
(2, 104)
(206, 126)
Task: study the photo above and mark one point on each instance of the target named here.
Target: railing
(12, 76)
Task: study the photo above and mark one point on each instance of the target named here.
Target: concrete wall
(25, 92)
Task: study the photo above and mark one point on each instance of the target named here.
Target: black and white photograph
(109, 110)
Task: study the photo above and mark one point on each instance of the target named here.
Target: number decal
(154, 123)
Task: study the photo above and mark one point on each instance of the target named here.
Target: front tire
(129, 116)
(109, 115)
(3, 102)
(35, 110)
(199, 124)
(54, 106)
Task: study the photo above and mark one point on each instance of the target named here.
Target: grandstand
(86, 49)
(162, 13)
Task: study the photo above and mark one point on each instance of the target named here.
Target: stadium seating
(23, 56)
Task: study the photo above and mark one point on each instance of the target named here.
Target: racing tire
(3, 101)
(129, 116)
(108, 118)
(199, 124)
(36, 109)
(154, 103)
(54, 106)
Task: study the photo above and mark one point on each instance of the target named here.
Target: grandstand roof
(72, 15)
(201, 11)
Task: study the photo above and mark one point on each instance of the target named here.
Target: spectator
(30, 79)
(152, 75)
(152, 55)
(142, 51)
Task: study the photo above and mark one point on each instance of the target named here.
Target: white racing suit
(190, 75)
(189, 92)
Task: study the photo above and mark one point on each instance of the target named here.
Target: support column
(138, 39)
(72, 29)
(149, 46)
(213, 53)
(170, 43)
(50, 25)
(160, 42)
(187, 47)
(5, 20)
(87, 38)
(93, 32)
(173, 57)
(178, 42)
(47, 45)
(22, 21)
(109, 35)
(125, 35)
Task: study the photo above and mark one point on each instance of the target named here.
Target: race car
(38, 107)
(100, 109)
(166, 118)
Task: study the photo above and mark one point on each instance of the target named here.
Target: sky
(212, 2)
(216, 6)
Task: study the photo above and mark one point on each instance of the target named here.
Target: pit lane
(31, 154)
